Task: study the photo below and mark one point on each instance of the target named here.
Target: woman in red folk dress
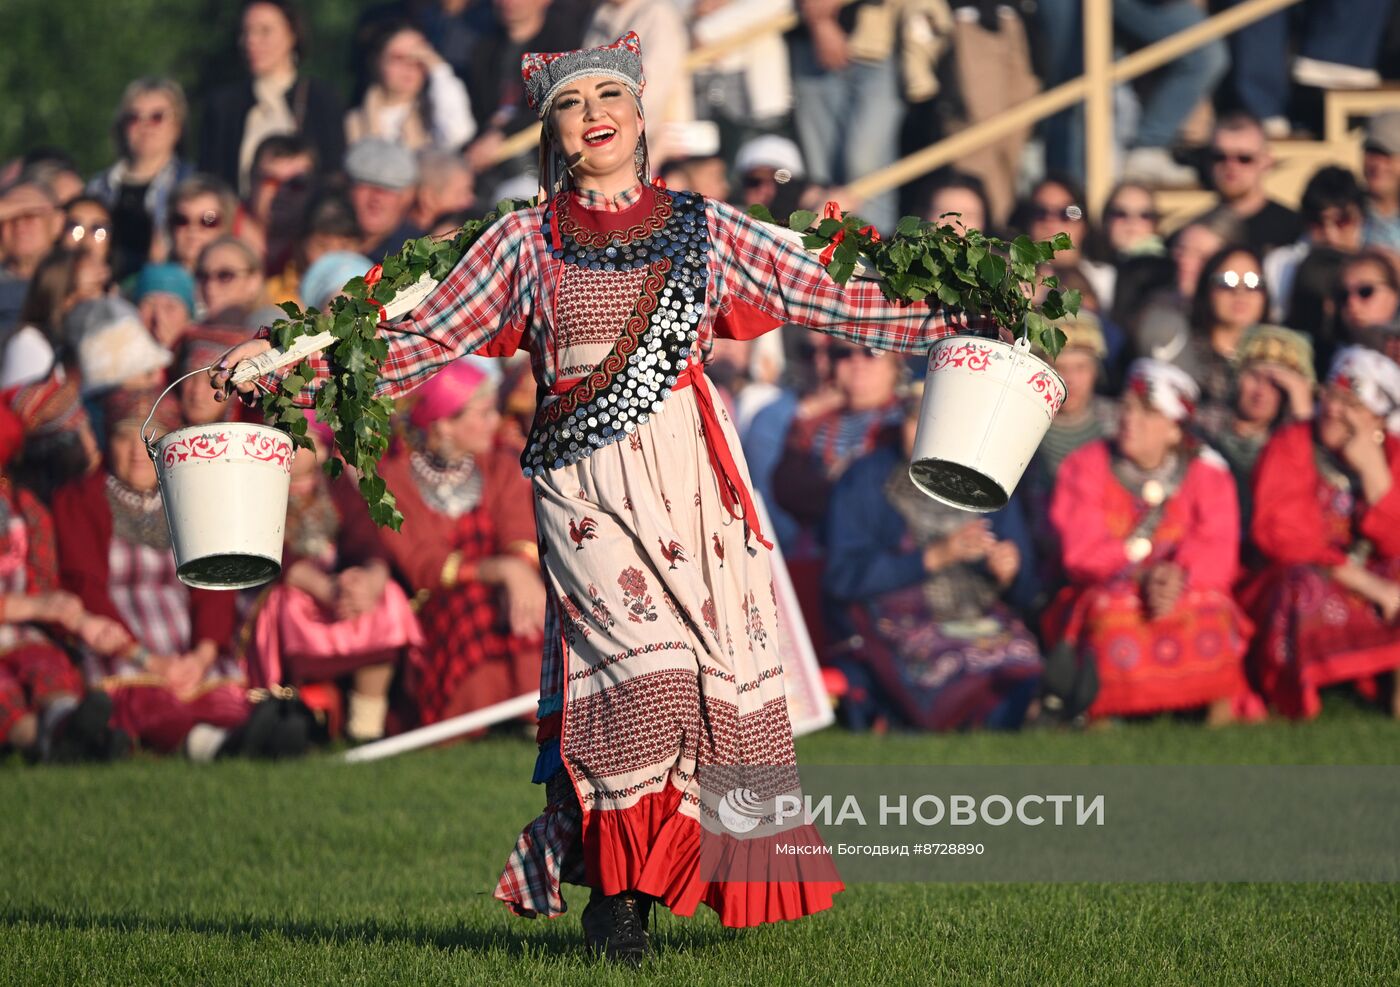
(1327, 520)
(660, 661)
(1149, 526)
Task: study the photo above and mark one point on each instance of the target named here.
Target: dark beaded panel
(631, 397)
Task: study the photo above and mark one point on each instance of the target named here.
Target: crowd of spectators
(1212, 524)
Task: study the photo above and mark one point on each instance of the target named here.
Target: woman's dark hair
(53, 281)
(91, 200)
(385, 33)
(1331, 188)
(292, 14)
(1374, 258)
(49, 460)
(957, 180)
(1202, 313)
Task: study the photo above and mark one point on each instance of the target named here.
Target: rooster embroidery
(581, 532)
(719, 548)
(673, 552)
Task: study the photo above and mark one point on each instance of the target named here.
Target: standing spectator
(274, 99)
(1333, 210)
(1338, 46)
(1231, 297)
(1150, 535)
(848, 106)
(668, 99)
(1327, 520)
(1239, 160)
(415, 100)
(201, 210)
(493, 76)
(30, 224)
(137, 188)
(749, 90)
(383, 177)
(1382, 173)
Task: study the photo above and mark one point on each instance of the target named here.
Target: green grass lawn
(162, 872)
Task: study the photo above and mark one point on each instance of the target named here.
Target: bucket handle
(149, 439)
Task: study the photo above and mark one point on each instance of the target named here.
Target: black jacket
(318, 109)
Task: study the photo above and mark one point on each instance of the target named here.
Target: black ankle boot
(615, 926)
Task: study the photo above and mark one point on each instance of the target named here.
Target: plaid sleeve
(764, 272)
(487, 298)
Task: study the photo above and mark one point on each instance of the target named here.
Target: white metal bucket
(987, 404)
(224, 487)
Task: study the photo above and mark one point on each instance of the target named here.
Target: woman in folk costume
(659, 647)
(1327, 520)
(466, 549)
(1149, 529)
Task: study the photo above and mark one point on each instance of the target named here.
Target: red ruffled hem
(653, 848)
(1131, 698)
(1293, 691)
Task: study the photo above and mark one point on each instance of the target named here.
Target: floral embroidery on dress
(755, 624)
(635, 596)
(602, 616)
(707, 613)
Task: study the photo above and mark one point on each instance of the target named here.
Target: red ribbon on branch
(372, 278)
(832, 210)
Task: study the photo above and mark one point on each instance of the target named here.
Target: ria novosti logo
(741, 810)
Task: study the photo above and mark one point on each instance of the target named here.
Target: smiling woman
(660, 662)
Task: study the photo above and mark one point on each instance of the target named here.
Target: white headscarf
(1165, 387)
(1373, 377)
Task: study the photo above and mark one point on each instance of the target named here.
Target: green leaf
(801, 219)
(760, 212)
(1061, 241)
(1024, 252)
(827, 228)
(909, 226)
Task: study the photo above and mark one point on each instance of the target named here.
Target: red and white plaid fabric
(152, 601)
(502, 297)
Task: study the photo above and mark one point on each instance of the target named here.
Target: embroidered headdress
(1373, 377)
(546, 73)
(1165, 387)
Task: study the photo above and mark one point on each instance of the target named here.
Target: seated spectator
(964, 195)
(113, 348)
(467, 549)
(283, 185)
(87, 225)
(64, 280)
(1382, 172)
(923, 587)
(1130, 220)
(44, 713)
(446, 186)
(275, 98)
(230, 283)
(771, 174)
(164, 295)
(137, 188)
(114, 552)
(1333, 205)
(334, 611)
(1232, 295)
(1274, 381)
(202, 209)
(1367, 297)
(59, 446)
(54, 168)
(1084, 417)
(1153, 301)
(695, 164)
(415, 100)
(1239, 160)
(1150, 537)
(30, 224)
(329, 227)
(1327, 521)
(383, 177)
(1056, 205)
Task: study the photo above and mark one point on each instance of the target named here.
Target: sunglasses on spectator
(77, 232)
(1342, 220)
(1220, 157)
(1234, 280)
(1150, 215)
(1362, 291)
(1070, 213)
(225, 275)
(837, 354)
(155, 118)
(297, 183)
(207, 219)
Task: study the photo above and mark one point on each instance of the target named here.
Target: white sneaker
(1276, 128)
(1333, 75)
(203, 741)
(1155, 166)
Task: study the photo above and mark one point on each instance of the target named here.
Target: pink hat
(319, 429)
(446, 393)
